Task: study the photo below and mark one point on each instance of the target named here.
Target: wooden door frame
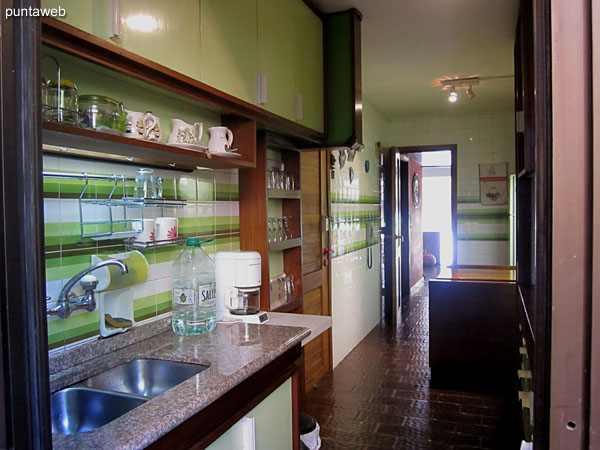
(391, 190)
(23, 323)
(595, 314)
(453, 175)
(569, 320)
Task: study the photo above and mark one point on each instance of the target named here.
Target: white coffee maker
(238, 277)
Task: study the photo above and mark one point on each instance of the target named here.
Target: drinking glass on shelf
(271, 231)
(280, 229)
(281, 179)
(288, 286)
(286, 227)
(269, 178)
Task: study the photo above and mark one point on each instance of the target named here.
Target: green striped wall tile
(81, 326)
(483, 237)
(187, 189)
(144, 308)
(468, 199)
(163, 302)
(56, 333)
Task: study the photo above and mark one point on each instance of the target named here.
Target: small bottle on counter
(194, 306)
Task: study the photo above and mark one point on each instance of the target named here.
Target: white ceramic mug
(184, 133)
(145, 230)
(165, 228)
(134, 127)
(152, 129)
(220, 139)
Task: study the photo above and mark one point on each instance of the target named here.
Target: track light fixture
(466, 83)
(470, 92)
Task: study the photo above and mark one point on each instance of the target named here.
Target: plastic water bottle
(194, 306)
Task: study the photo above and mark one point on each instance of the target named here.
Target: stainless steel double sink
(102, 398)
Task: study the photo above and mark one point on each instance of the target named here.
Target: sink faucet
(68, 302)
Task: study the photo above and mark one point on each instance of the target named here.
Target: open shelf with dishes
(85, 142)
(271, 218)
(123, 66)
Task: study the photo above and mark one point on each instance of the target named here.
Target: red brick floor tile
(379, 397)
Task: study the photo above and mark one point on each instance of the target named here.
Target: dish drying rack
(110, 203)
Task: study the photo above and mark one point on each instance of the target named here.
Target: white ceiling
(409, 45)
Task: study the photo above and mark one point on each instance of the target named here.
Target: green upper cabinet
(310, 67)
(278, 49)
(79, 12)
(223, 43)
(290, 54)
(165, 32)
(229, 47)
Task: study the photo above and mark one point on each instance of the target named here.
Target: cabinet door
(278, 52)
(290, 54)
(161, 31)
(272, 424)
(310, 67)
(229, 46)
(79, 12)
(165, 32)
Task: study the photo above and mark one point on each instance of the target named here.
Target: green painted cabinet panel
(278, 51)
(272, 424)
(290, 53)
(229, 46)
(154, 29)
(79, 13)
(310, 67)
(163, 32)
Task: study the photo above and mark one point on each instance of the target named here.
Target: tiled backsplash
(355, 288)
(211, 212)
(487, 137)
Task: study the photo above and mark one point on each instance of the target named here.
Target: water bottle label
(206, 295)
(184, 296)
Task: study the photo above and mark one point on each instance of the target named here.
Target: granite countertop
(316, 324)
(232, 352)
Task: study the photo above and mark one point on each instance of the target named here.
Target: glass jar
(103, 113)
(60, 105)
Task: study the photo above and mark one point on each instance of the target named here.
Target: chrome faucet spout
(66, 290)
(68, 302)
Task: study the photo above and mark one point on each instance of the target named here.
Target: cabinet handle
(369, 258)
(116, 19)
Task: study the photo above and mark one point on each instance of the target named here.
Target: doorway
(402, 233)
(437, 209)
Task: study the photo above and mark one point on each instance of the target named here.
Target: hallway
(379, 397)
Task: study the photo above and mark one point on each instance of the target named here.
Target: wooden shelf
(70, 136)
(287, 306)
(284, 194)
(74, 41)
(284, 245)
(254, 213)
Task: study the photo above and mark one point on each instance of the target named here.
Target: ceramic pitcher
(153, 131)
(220, 139)
(184, 133)
(134, 127)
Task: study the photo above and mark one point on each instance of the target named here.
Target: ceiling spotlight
(470, 92)
(453, 95)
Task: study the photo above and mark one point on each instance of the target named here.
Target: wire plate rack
(112, 227)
